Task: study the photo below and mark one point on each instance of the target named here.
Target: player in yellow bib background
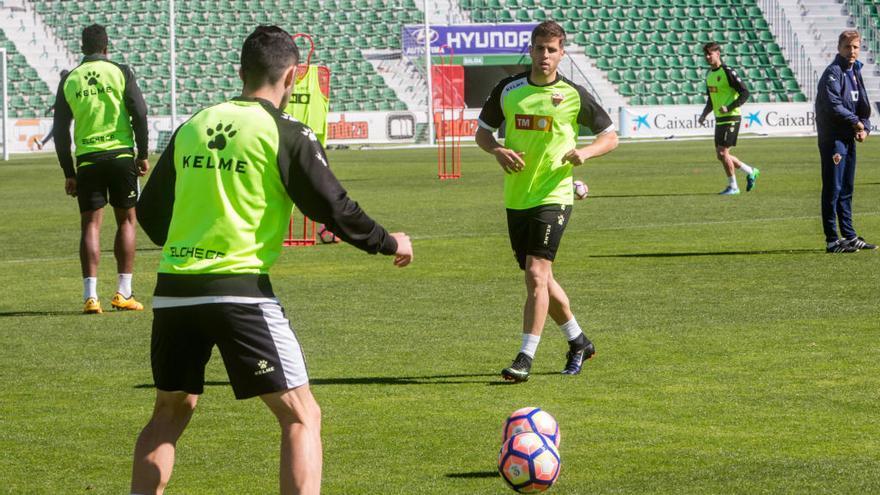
(542, 113)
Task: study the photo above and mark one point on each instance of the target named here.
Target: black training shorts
(726, 134)
(537, 231)
(116, 176)
(259, 348)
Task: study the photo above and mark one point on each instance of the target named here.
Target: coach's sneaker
(92, 307)
(729, 191)
(860, 243)
(579, 350)
(840, 246)
(752, 178)
(130, 304)
(519, 370)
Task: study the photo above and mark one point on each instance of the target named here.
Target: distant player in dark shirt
(49, 111)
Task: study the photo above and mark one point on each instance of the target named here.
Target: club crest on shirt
(557, 98)
(836, 158)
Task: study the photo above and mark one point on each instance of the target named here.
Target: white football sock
(731, 181)
(529, 344)
(124, 285)
(90, 287)
(571, 329)
(745, 168)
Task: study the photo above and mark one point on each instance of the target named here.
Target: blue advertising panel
(469, 39)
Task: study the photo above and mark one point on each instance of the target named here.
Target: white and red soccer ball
(529, 459)
(581, 191)
(529, 462)
(532, 419)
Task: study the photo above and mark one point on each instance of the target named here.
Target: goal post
(4, 80)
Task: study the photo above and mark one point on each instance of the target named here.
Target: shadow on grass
(666, 195)
(474, 474)
(709, 253)
(390, 380)
(39, 313)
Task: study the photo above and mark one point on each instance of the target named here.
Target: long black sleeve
(137, 110)
(156, 203)
(61, 129)
(320, 196)
(737, 84)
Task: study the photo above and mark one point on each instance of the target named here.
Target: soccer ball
(532, 419)
(580, 190)
(529, 463)
(326, 236)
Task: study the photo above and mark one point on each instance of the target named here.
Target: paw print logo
(262, 364)
(92, 77)
(220, 135)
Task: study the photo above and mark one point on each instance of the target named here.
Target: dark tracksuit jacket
(841, 102)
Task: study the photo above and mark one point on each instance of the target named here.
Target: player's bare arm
(143, 167)
(70, 186)
(510, 160)
(604, 143)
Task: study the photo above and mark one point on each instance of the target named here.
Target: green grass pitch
(734, 355)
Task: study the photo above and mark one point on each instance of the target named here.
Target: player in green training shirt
(219, 203)
(725, 93)
(543, 112)
(107, 109)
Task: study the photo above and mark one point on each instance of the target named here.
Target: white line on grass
(649, 226)
(485, 234)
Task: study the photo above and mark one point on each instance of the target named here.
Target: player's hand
(70, 186)
(702, 120)
(404, 254)
(861, 136)
(143, 166)
(858, 126)
(724, 109)
(511, 161)
(576, 157)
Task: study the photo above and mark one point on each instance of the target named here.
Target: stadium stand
(209, 38)
(866, 14)
(650, 49)
(29, 96)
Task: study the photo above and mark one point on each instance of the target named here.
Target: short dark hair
(266, 53)
(847, 36)
(711, 46)
(549, 29)
(94, 39)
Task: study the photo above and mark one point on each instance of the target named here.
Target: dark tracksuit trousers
(838, 178)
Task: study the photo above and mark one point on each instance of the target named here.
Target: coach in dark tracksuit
(842, 112)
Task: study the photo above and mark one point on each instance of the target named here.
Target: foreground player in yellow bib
(542, 112)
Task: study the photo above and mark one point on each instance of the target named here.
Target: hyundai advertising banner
(683, 120)
(468, 39)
